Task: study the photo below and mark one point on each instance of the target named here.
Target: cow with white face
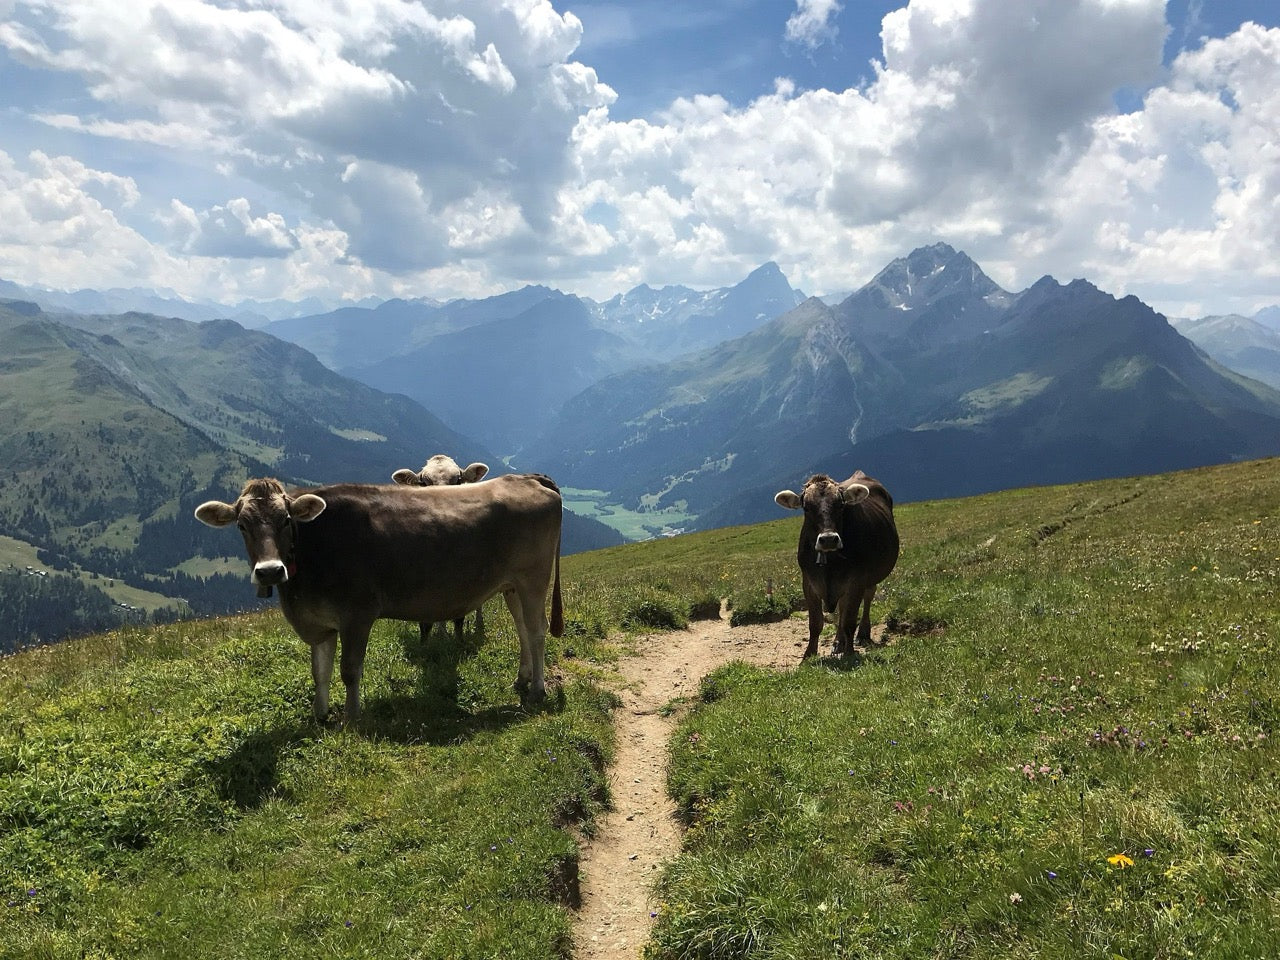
(345, 555)
(848, 544)
(443, 471)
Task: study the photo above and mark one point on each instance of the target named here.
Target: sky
(228, 150)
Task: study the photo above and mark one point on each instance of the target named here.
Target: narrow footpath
(619, 865)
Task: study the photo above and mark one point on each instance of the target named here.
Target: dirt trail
(619, 865)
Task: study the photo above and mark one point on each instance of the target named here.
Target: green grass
(1076, 673)
(164, 793)
(632, 524)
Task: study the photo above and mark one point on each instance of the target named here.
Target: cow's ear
(854, 492)
(306, 507)
(787, 499)
(408, 477)
(474, 472)
(215, 513)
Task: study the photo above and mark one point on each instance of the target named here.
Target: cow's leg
(527, 610)
(525, 675)
(458, 627)
(424, 630)
(846, 617)
(816, 620)
(864, 628)
(323, 646)
(814, 604)
(355, 640)
(480, 620)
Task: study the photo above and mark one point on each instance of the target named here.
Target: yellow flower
(1120, 860)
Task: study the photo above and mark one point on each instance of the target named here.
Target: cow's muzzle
(270, 573)
(827, 542)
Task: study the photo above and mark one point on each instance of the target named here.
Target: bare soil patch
(619, 865)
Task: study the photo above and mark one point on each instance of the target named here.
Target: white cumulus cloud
(442, 147)
(811, 24)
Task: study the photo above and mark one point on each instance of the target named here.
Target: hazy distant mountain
(1269, 317)
(930, 377)
(658, 324)
(1238, 343)
(165, 303)
(676, 320)
(354, 337)
(504, 380)
(499, 368)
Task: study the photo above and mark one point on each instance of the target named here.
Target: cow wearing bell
(442, 470)
(848, 544)
(343, 556)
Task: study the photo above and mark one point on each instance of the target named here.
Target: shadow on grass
(848, 662)
(430, 713)
(249, 775)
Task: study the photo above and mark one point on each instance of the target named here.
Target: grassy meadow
(1065, 750)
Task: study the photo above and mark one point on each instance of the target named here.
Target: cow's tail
(556, 628)
(557, 608)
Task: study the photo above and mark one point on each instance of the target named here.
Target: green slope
(1076, 673)
(116, 427)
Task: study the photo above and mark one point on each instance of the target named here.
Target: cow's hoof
(530, 698)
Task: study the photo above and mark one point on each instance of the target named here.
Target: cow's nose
(829, 541)
(270, 572)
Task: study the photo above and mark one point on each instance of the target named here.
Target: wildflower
(1120, 860)
(1148, 852)
(1015, 898)
(1051, 875)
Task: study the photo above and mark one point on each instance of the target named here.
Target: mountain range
(668, 408)
(1245, 345)
(483, 365)
(930, 377)
(166, 303)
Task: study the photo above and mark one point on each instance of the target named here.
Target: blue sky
(286, 148)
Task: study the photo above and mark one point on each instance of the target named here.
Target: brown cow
(346, 555)
(848, 544)
(443, 471)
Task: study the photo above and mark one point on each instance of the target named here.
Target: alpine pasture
(1065, 748)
